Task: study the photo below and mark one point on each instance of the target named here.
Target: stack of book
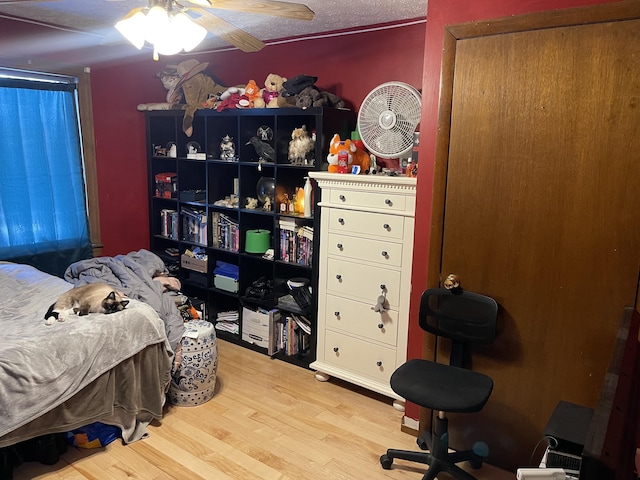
(169, 223)
(228, 321)
(194, 226)
(225, 232)
(289, 334)
(296, 243)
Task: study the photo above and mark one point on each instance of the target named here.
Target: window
(43, 205)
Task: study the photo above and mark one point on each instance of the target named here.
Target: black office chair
(466, 318)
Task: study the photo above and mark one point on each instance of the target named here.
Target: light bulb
(157, 24)
(132, 28)
(189, 33)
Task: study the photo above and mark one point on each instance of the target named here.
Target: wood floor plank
(269, 420)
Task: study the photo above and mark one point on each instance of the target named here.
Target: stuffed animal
(312, 97)
(296, 84)
(381, 304)
(361, 158)
(270, 94)
(335, 146)
(192, 89)
(252, 91)
(232, 97)
(300, 146)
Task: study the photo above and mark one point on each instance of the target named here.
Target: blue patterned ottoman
(195, 380)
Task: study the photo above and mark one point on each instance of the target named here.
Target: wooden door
(539, 161)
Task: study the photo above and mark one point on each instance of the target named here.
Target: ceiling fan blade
(227, 31)
(274, 8)
(9, 2)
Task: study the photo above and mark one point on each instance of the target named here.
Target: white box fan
(388, 117)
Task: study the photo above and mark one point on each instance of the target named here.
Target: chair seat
(441, 387)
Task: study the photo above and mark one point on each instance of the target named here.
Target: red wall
(348, 65)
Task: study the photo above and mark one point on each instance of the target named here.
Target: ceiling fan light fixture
(167, 30)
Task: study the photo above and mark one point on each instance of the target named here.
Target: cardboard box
(255, 327)
(193, 263)
(227, 284)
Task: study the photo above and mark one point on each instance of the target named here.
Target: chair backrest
(464, 317)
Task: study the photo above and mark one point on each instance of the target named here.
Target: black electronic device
(568, 427)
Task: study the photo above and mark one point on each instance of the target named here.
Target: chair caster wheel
(481, 451)
(422, 443)
(386, 462)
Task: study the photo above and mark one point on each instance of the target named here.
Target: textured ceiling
(97, 17)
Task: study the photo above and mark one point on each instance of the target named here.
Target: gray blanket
(43, 366)
(133, 275)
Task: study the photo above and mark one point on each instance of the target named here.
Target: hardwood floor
(268, 420)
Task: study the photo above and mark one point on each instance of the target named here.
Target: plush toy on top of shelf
(302, 91)
(189, 86)
(270, 95)
(252, 91)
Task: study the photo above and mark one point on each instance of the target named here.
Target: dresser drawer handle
(342, 198)
(381, 326)
(341, 221)
(379, 363)
(388, 202)
(335, 349)
(384, 253)
(337, 314)
(339, 245)
(338, 277)
(386, 226)
(383, 287)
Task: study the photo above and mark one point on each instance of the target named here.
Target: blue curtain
(42, 194)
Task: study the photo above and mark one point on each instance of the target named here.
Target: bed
(109, 368)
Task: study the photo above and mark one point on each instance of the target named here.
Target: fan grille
(387, 119)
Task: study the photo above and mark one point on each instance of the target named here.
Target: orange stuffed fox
(357, 156)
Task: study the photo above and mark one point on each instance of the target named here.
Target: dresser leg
(322, 377)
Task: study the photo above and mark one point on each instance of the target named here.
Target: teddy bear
(270, 94)
(312, 97)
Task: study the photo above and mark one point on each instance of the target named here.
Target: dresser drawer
(358, 318)
(361, 281)
(378, 251)
(350, 353)
(378, 224)
(387, 201)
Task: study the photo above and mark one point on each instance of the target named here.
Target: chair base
(438, 456)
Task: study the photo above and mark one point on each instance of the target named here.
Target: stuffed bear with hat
(303, 90)
(189, 87)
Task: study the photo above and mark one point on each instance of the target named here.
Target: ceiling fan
(198, 12)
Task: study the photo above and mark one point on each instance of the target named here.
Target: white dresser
(366, 249)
